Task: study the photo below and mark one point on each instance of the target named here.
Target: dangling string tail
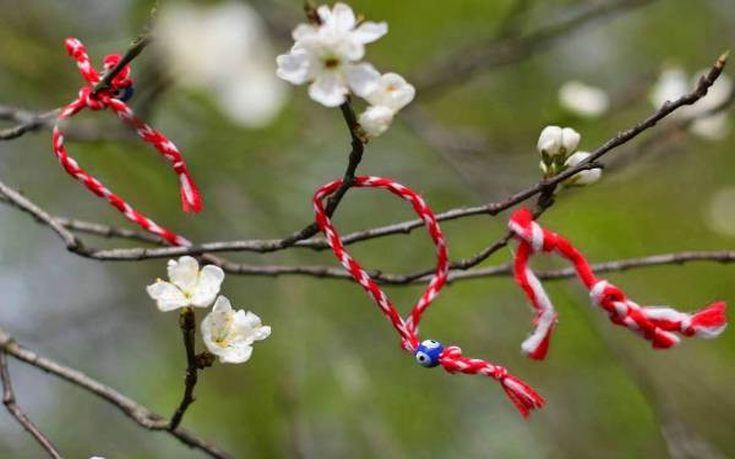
(113, 98)
(428, 353)
(657, 324)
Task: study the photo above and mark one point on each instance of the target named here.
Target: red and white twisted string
(523, 396)
(107, 98)
(657, 324)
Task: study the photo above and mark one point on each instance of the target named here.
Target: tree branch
(19, 415)
(302, 238)
(358, 148)
(135, 411)
(187, 322)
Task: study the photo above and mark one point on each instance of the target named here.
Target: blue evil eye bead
(124, 94)
(427, 355)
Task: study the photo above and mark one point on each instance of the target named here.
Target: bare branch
(457, 273)
(187, 322)
(136, 47)
(19, 415)
(358, 148)
(135, 411)
(27, 121)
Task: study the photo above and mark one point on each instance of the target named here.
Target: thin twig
(187, 322)
(19, 415)
(27, 121)
(358, 148)
(136, 47)
(135, 411)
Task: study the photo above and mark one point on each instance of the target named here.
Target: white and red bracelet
(112, 98)
(657, 324)
(428, 353)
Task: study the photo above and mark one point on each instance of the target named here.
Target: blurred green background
(331, 380)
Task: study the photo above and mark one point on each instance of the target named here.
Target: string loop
(113, 97)
(427, 353)
(658, 324)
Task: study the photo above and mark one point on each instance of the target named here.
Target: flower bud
(569, 140)
(376, 120)
(549, 142)
(586, 177)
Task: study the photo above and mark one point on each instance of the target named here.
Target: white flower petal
(325, 14)
(576, 158)
(343, 17)
(393, 91)
(586, 177)
(229, 334)
(570, 140)
(295, 66)
(369, 32)
(222, 305)
(184, 272)
(235, 354)
(549, 141)
(329, 90)
(261, 333)
(208, 286)
(167, 296)
(376, 120)
(362, 78)
(304, 31)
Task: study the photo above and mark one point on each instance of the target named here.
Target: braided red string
(656, 324)
(521, 394)
(107, 98)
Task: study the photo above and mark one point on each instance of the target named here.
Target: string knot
(92, 101)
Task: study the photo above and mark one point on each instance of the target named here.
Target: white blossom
(672, 84)
(225, 50)
(582, 178)
(230, 334)
(376, 120)
(188, 286)
(555, 141)
(327, 56)
(392, 92)
(583, 100)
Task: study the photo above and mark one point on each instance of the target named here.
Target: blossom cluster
(558, 149)
(328, 56)
(227, 333)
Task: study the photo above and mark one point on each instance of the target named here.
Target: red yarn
(655, 323)
(106, 98)
(451, 359)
